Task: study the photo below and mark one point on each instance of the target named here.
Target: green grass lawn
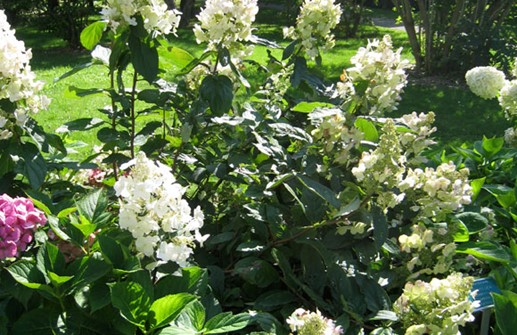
(461, 116)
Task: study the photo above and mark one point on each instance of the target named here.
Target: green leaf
(50, 258)
(288, 51)
(83, 124)
(33, 164)
(461, 232)
(505, 312)
(313, 267)
(73, 92)
(272, 300)
(94, 206)
(89, 269)
(320, 190)
(144, 57)
(474, 222)
(99, 296)
(195, 312)
(476, 185)
(26, 273)
(92, 34)
(132, 301)
(368, 128)
(226, 322)
(217, 90)
(256, 271)
(166, 309)
(380, 227)
(112, 250)
(178, 57)
(308, 107)
(491, 146)
(486, 250)
(385, 315)
(58, 280)
(40, 321)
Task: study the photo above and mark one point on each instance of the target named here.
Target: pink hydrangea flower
(18, 221)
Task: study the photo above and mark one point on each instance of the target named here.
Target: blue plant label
(484, 288)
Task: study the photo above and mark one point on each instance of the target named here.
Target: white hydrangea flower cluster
(440, 306)
(157, 18)
(227, 23)
(380, 170)
(376, 80)
(438, 246)
(18, 83)
(153, 210)
(485, 81)
(508, 99)
(314, 24)
(437, 192)
(417, 138)
(510, 136)
(336, 132)
(305, 322)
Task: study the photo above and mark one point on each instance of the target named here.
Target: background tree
(456, 35)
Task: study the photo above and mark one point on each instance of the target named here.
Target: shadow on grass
(461, 116)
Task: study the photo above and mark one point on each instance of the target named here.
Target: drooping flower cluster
(157, 18)
(314, 24)
(375, 82)
(18, 221)
(388, 171)
(440, 306)
(153, 210)
(312, 323)
(339, 136)
(227, 23)
(437, 191)
(485, 81)
(508, 99)
(510, 136)
(430, 249)
(18, 83)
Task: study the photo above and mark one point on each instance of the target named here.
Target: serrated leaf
(368, 128)
(94, 206)
(166, 309)
(92, 34)
(132, 301)
(144, 57)
(217, 91)
(485, 250)
(226, 322)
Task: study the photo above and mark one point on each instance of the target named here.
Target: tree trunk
(187, 8)
(405, 10)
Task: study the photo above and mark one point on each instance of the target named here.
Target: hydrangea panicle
(314, 24)
(440, 306)
(383, 73)
(304, 322)
(227, 23)
(152, 208)
(18, 221)
(18, 83)
(158, 19)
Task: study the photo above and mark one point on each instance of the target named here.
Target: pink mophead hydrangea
(18, 221)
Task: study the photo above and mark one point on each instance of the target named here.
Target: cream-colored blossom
(227, 23)
(380, 72)
(152, 208)
(485, 81)
(440, 306)
(314, 24)
(18, 83)
(508, 99)
(305, 322)
(156, 17)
